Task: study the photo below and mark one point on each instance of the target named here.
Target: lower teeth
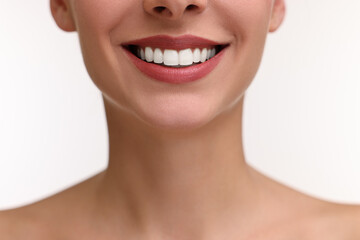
(175, 66)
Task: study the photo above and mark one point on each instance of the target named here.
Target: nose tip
(173, 9)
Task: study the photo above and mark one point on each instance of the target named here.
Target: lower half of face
(177, 65)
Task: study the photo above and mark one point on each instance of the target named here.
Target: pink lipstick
(175, 59)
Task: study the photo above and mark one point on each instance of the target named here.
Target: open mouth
(175, 58)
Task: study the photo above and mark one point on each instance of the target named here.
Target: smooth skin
(177, 169)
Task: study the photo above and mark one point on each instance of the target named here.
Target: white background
(302, 112)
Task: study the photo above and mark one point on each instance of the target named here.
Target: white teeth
(158, 56)
(168, 57)
(197, 55)
(186, 57)
(149, 54)
(142, 54)
(203, 55)
(171, 57)
(208, 53)
(212, 53)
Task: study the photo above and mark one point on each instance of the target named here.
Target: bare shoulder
(5, 225)
(303, 216)
(344, 219)
(329, 220)
(19, 224)
(324, 220)
(48, 217)
(321, 219)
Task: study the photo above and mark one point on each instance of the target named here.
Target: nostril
(159, 9)
(191, 7)
(172, 11)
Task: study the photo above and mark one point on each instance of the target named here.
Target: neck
(177, 184)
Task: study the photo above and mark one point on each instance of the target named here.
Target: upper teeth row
(173, 58)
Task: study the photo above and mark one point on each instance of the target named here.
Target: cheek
(99, 15)
(248, 21)
(95, 20)
(244, 17)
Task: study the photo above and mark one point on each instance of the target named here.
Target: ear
(278, 14)
(61, 12)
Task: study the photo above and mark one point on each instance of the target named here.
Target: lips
(175, 59)
(177, 43)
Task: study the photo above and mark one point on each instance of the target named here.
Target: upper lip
(176, 43)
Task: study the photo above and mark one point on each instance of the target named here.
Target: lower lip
(176, 75)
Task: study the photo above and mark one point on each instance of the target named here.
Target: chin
(176, 117)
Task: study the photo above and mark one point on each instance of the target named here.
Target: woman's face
(105, 25)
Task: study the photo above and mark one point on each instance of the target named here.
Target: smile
(175, 60)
